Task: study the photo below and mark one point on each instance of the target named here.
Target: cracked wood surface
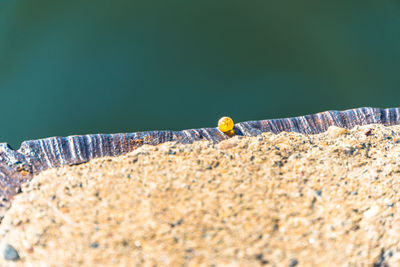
(35, 156)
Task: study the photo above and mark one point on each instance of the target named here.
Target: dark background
(77, 67)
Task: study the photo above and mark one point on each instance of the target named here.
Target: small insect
(225, 125)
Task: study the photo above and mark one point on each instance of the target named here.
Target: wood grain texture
(19, 166)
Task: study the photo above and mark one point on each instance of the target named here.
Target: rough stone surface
(330, 199)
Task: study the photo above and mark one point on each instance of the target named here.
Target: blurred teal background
(77, 67)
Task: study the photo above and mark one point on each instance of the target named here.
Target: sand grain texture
(276, 200)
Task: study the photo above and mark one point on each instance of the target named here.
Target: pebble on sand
(10, 253)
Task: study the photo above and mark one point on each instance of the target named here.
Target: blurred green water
(76, 67)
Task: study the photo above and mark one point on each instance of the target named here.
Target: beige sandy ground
(277, 200)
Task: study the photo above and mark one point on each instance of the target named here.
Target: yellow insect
(225, 125)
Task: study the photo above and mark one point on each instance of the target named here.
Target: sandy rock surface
(276, 200)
